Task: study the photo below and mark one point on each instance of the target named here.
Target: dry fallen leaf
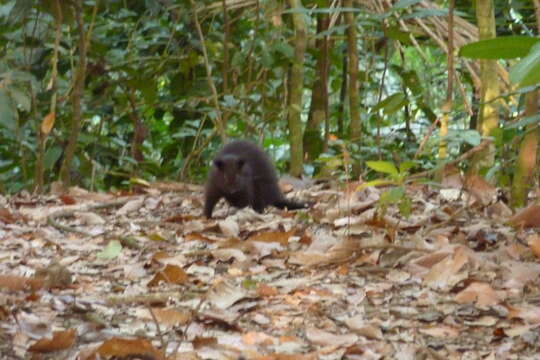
(527, 217)
(61, 340)
(533, 241)
(478, 293)
(171, 274)
(127, 348)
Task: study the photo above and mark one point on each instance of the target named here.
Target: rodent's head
(230, 167)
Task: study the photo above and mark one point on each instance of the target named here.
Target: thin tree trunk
(48, 122)
(525, 168)
(354, 100)
(447, 106)
(318, 113)
(78, 88)
(488, 118)
(527, 163)
(342, 95)
(296, 87)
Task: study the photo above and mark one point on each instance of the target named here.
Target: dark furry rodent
(244, 175)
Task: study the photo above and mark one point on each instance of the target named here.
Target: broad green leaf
(527, 71)
(7, 114)
(402, 4)
(111, 251)
(383, 166)
(406, 166)
(320, 11)
(374, 183)
(21, 98)
(524, 122)
(425, 13)
(391, 104)
(504, 47)
(334, 29)
(51, 156)
(472, 137)
(395, 33)
(405, 206)
(392, 196)
(230, 101)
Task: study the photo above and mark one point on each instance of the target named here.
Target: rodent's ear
(219, 164)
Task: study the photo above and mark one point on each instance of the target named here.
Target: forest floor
(144, 276)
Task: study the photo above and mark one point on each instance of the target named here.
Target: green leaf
(7, 113)
(51, 157)
(334, 29)
(504, 47)
(383, 166)
(374, 183)
(405, 206)
(527, 71)
(21, 98)
(406, 166)
(395, 33)
(472, 137)
(392, 196)
(524, 122)
(402, 4)
(285, 49)
(111, 251)
(391, 104)
(425, 13)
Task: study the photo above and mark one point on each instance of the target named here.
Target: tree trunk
(527, 158)
(447, 106)
(526, 166)
(76, 121)
(296, 87)
(354, 100)
(342, 95)
(318, 113)
(488, 116)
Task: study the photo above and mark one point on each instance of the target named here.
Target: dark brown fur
(244, 175)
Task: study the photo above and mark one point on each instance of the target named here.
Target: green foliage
(502, 47)
(527, 71)
(146, 70)
(396, 177)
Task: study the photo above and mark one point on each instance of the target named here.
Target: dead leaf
(229, 227)
(531, 314)
(6, 216)
(482, 190)
(127, 348)
(225, 294)
(281, 237)
(200, 342)
(172, 274)
(61, 340)
(446, 273)
(264, 290)
(325, 338)
(131, 206)
(171, 317)
(48, 123)
(533, 241)
(527, 217)
(481, 294)
(20, 283)
(440, 331)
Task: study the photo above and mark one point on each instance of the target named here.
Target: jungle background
(99, 93)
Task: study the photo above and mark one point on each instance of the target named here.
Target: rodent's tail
(289, 204)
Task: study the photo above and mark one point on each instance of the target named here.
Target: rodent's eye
(241, 163)
(219, 164)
